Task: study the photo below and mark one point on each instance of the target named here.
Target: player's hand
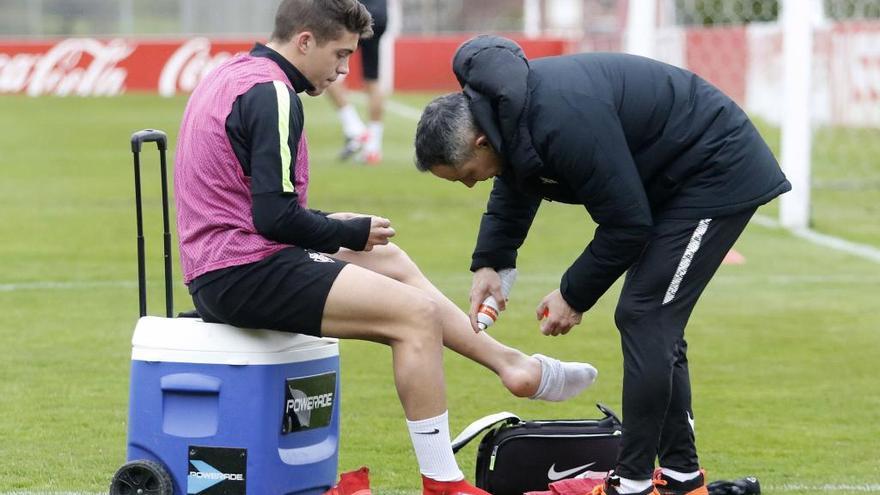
(380, 232)
(555, 315)
(486, 283)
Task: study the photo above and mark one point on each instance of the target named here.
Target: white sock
(562, 380)
(433, 446)
(374, 141)
(352, 125)
(634, 486)
(678, 475)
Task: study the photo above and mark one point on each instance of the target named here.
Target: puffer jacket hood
(493, 73)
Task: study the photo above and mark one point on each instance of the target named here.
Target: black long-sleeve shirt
(253, 130)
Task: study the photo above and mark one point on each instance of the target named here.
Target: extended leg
(520, 374)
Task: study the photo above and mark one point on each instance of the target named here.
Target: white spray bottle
(488, 312)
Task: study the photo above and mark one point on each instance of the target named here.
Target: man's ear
(482, 141)
(304, 41)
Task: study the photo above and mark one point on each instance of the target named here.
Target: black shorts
(286, 291)
(369, 49)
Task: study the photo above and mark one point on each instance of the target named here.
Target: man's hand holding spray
(486, 308)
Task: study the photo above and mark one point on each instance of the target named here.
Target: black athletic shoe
(670, 486)
(612, 485)
(352, 146)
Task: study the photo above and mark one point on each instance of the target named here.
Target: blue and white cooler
(231, 411)
(220, 410)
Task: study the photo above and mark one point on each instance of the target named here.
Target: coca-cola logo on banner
(188, 65)
(82, 67)
(91, 67)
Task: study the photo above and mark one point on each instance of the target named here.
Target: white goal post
(796, 146)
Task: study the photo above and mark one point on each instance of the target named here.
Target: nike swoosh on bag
(554, 475)
(433, 432)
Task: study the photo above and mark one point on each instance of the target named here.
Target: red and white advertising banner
(108, 67)
(745, 62)
(855, 70)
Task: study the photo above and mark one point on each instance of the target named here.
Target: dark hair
(445, 133)
(324, 18)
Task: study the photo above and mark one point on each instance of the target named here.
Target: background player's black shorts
(285, 291)
(369, 47)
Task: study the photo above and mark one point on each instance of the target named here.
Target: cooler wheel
(141, 477)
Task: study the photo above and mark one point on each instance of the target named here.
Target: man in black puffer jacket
(669, 168)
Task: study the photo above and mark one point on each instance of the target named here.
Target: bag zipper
(492, 457)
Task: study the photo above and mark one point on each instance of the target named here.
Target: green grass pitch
(783, 349)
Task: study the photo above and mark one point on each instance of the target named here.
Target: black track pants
(658, 295)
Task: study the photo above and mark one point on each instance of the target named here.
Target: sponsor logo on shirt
(321, 258)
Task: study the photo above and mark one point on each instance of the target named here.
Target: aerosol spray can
(488, 311)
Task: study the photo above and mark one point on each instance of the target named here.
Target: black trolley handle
(161, 140)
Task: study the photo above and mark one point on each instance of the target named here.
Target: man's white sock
(678, 475)
(562, 380)
(634, 486)
(433, 446)
(374, 140)
(352, 125)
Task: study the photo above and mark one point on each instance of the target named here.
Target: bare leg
(366, 305)
(375, 101)
(337, 94)
(353, 128)
(520, 374)
(372, 152)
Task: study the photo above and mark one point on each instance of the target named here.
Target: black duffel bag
(517, 456)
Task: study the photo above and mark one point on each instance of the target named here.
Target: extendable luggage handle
(161, 140)
(149, 136)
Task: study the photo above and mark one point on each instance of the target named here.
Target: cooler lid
(191, 340)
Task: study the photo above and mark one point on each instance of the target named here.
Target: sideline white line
(727, 278)
(404, 110)
(395, 107)
(795, 487)
(864, 251)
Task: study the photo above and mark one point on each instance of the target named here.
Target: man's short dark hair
(445, 133)
(326, 19)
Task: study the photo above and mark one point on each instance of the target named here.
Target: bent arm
(271, 117)
(505, 224)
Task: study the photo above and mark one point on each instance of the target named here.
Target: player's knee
(423, 321)
(401, 266)
(393, 252)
